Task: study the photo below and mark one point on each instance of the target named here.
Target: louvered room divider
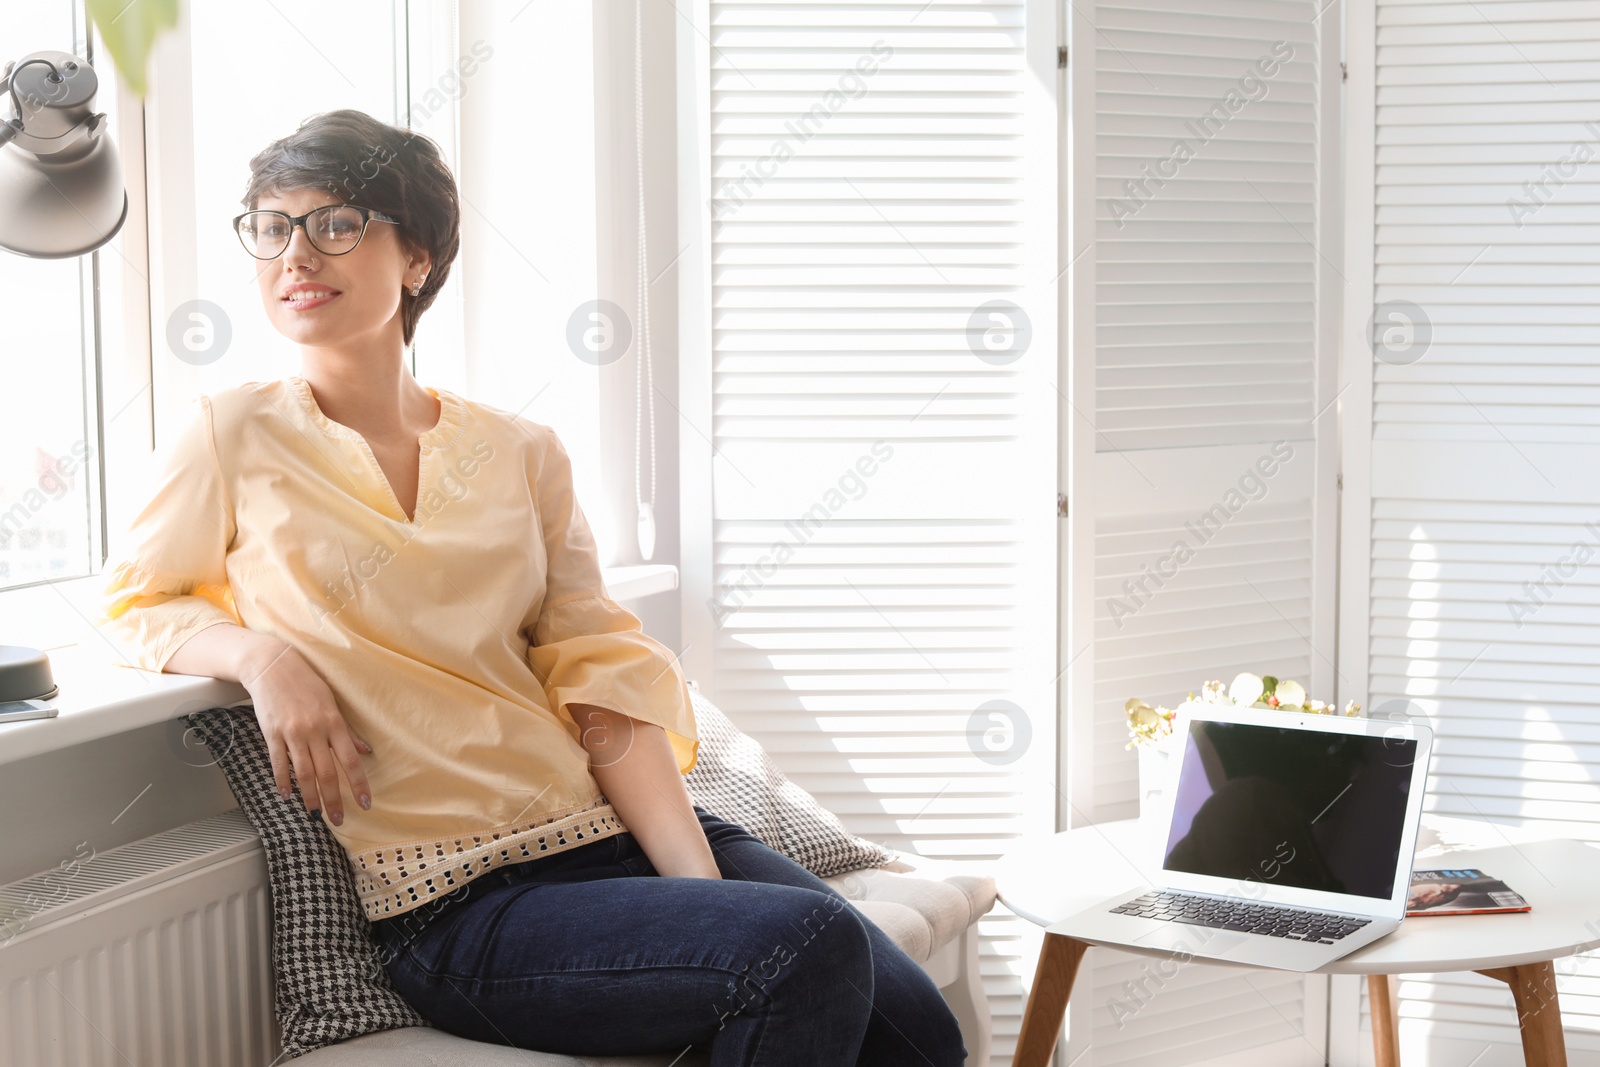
(1470, 594)
(1203, 479)
(869, 369)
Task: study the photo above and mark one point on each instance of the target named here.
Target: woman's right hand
(300, 720)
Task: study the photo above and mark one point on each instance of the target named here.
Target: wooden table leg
(1384, 1004)
(1533, 985)
(1047, 1000)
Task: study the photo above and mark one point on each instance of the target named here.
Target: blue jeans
(591, 952)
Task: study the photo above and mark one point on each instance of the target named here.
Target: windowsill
(100, 696)
(631, 583)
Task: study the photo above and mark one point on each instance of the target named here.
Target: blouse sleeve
(166, 578)
(585, 647)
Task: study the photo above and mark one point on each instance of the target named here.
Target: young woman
(404, 583)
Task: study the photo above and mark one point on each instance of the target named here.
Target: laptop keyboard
(1313, 927)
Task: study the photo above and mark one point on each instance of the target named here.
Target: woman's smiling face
(342, 298)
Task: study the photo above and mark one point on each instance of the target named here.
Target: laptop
(1281, 840)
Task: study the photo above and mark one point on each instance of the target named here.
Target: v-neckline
(443, 434)
(383, 476)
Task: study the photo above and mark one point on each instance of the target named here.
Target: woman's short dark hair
(372, 164)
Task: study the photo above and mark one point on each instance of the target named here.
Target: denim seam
(761, 1033)
(498, 984)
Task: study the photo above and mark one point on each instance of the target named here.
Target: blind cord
(644, 381)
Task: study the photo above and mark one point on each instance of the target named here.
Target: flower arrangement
(1149, 726)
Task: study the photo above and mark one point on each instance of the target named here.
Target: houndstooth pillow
(737, 781)
(331, 984)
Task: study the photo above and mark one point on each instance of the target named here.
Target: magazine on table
(1461, 891)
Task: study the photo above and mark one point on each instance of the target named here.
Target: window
(226, 84)
(106, 321)
(203, 123)
(258, 72)
(49, 481)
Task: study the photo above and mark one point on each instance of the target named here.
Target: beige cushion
(923, 907)
(922, 904)
(423, 1046)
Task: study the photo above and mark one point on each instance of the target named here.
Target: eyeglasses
(333, 229)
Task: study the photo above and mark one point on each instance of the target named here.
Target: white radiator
(157, 953)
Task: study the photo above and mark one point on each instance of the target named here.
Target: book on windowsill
(1461, 891)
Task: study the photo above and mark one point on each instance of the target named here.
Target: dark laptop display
(1292, 807)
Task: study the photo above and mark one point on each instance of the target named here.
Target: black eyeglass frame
(367, 215)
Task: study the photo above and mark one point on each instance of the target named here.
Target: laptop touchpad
(1184, 937)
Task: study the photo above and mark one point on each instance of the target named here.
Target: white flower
(1142, 714)
(1245, 690)
(1212, 693)
(1290, 694)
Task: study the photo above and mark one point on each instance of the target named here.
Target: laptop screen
(1291, 807)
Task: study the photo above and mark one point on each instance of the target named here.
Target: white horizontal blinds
(1205, 340)
(1149, 1010)
(1496, 586)
(1483, 598)
(1206, 156)
(1242, 602)
(882, 575)
(1518, 738)
(1487, 212)
(1198, 489)
(1238, 597)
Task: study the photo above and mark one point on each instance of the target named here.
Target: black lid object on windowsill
(61, 189)
(25, 674)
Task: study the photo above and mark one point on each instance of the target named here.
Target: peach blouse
(453, 642)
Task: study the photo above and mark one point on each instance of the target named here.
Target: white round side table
(1558, 877)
